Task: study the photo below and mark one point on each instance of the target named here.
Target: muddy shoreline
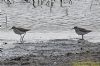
(57, 52)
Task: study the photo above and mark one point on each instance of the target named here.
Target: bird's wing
(84, 30)
(22, 29)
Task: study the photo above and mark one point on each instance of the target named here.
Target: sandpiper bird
(81, 31)
(20, 31)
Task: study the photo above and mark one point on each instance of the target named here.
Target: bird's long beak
(72, 28)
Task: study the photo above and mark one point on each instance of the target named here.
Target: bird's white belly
(18, 31)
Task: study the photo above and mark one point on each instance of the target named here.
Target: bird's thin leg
(82, 37)
(20, 38)
(23, 36)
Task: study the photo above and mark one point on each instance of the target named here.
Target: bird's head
(13, 27)
(75, 27)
